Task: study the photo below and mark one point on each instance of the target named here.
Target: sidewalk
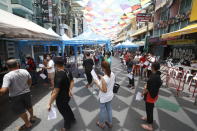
(171, 113)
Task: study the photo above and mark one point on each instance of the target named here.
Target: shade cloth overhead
(186, 30)
(90, 35)
(52, 32)
(12, 26)
(65, 37)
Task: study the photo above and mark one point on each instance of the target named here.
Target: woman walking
(150, 93)
(105, 95)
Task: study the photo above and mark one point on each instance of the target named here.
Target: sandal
(23, 127)
(100, 125)
(146, 127)
(144, 118)
(33, 119)
(109, 125)
(63, 129)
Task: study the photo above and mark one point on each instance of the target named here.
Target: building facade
(170, 16)
(5, 5)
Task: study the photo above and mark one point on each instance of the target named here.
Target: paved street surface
(171, 113)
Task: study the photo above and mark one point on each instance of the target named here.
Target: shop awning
(142, 30)
(139, 43)
(186, 30)
(12, 26)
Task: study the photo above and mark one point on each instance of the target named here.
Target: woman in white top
(105, 95)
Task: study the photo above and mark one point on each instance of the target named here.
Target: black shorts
(21, 103)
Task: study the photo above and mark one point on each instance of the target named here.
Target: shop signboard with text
(143, 17)
(46, 6)
(181, 42)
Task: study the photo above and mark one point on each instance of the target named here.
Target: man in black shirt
(88, 65)
(62, 92)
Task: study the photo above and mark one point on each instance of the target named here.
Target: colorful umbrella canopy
(108, 17)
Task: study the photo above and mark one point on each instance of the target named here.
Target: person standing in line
(18, 82)
(105, 95)
(130, 71)
(151, 58)
(150, 94)
(31, 68)
(51, 70)
(142, 65)
(62, 93)
(88, 64)
(108, 58)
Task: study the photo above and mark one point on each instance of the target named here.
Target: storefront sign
(181, 42)
(193, 16)
(46, 6)
(143, 17)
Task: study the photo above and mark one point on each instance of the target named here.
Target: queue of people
(18, 82)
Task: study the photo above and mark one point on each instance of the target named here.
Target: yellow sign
(193, 16)
(180, 42)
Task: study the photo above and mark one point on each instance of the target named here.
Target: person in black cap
(62, 93)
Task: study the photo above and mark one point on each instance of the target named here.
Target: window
(156, 32)
(184, 23)
(185, 6)
(25, 3)
(164, 14)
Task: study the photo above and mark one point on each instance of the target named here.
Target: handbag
(116, 88)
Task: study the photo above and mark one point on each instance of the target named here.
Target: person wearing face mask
(50, 70)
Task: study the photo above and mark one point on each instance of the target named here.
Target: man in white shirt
(51, 70)
(18, 82)
(151, 59)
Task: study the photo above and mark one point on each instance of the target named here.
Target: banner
(181, 42)
(46, 7)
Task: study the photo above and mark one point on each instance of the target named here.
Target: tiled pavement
(126, 110)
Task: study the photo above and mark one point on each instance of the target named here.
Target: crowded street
(180, 115)
(93, 65)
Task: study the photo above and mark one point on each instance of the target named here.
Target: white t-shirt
(51, 64)
(108, 96)
(16, 81)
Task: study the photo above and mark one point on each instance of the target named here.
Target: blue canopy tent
(126, 44)
(88, 38)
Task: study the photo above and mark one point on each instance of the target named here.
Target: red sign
(143, 17)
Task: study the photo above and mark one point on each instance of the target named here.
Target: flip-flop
(33, 119)
(23, 127)
(109, 125)
(102, 126)
(146, 127)
(63, 129)
(143, 118)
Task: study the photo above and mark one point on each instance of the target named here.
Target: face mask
(48, 58)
